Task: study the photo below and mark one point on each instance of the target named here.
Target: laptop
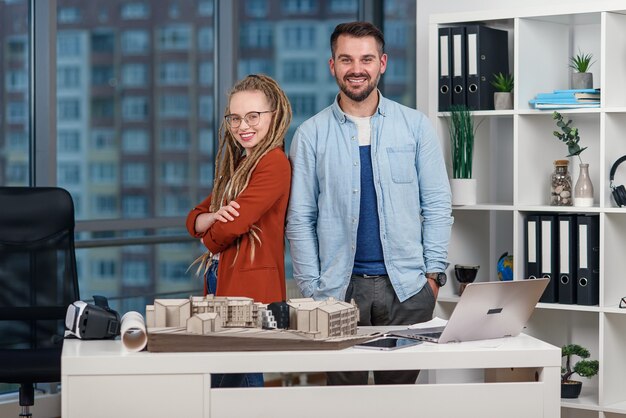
(485, 311)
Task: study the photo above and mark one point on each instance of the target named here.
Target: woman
(242, 221)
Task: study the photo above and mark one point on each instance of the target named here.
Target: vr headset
(92, 322)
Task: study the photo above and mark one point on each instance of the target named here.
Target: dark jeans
(232, 380)
(379, 305)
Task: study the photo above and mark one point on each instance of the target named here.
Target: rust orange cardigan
(264, 204)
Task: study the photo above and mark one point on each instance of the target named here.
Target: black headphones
(619, 192)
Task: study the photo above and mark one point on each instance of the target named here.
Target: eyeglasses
(622, 302)
(251, 118)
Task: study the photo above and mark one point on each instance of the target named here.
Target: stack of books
(567, 99)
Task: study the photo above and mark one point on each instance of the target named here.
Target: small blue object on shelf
(505, 267)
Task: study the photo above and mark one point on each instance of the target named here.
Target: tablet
(388, 343)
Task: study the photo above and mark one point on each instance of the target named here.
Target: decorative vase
(571, 389)
(465, 275)
(583, 191)
(502, 100)
(561, 185)
(582, 81)
(463, 191)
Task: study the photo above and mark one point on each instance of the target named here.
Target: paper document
(435, 322)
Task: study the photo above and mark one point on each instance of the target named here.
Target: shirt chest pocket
(402, 164)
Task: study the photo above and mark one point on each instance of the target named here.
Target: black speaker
(619, 192)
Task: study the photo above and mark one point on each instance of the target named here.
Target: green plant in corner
(462, 131)
(569, 135)
(584, 368)
(503, 82)
(581, 62)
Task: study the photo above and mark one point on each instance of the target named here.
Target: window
(345, 6)
(68, 77)
(174, 270)
(205, 39)
(103, 107)
(206, 173)
(256, 35)
(68, 141)
(302, 104)
(102, 75)
(175, 139)
(174, 205)
(174, 106)
(134, 75)
(68, 44)
(104, 205)
(103, 173)
(206, 141)
(299, 37)
(205, 7)
(68, 174)
(257, 8)
(175, 37)
(299, 71)
(135, 206)
(135, 42)
(68, 15)
(16, 112)
(16, 80)
(298, 6)
(135, 175)
(205, 108)
(205, 73)
(16, 173)
(135, 108)
(17, 141)
(174, 173)
(135, 273)
(135, 11)
(103, 269)
(255, 66)
(103, 42)
(135, 141)
(103, 139)
(68, 109)
(174, 73)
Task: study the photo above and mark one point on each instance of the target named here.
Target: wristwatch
(440, 278)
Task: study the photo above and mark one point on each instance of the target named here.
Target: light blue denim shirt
(412, 192)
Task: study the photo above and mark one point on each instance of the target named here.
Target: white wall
(427, 7)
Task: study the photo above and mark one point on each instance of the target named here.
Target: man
(369, 215)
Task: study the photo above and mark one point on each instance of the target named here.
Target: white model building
(203, 315)
(204, 323)
(327, 318)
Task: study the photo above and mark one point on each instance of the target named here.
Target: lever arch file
(549, 245)
(459, 65)
(487, 54)
(588, 289)
(445, 64)
(567, 259)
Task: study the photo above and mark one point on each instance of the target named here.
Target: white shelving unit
(513, 160)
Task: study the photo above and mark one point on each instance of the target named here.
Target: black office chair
(38, 281)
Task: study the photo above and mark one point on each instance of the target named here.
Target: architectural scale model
(205, 315)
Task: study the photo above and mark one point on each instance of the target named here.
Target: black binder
(548, 265)
(445, 66)
(459, 65)
(588, 289)
(487, 54)
(567, 259)
(532, 243)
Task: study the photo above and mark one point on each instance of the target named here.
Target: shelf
(614, 309)
(587, 402)
(567, 307)
(558, 209)
(485, 206)
(590, 110)
(490, 113)
(618, 408)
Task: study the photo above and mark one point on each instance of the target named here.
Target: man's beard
(358, 96)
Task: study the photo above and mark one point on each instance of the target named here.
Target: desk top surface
(108, 357)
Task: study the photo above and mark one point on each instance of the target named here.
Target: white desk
(100, 379)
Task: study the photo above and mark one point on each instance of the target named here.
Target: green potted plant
(503, 96)
(584, 368)
(583, 190)
(580, 63)
(461, 129)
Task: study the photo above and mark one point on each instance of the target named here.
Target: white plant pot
(463, 191)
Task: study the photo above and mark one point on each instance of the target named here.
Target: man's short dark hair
(357, 30)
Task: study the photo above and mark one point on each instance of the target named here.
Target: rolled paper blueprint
(134, 335)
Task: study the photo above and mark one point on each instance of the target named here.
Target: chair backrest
(38, 277)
